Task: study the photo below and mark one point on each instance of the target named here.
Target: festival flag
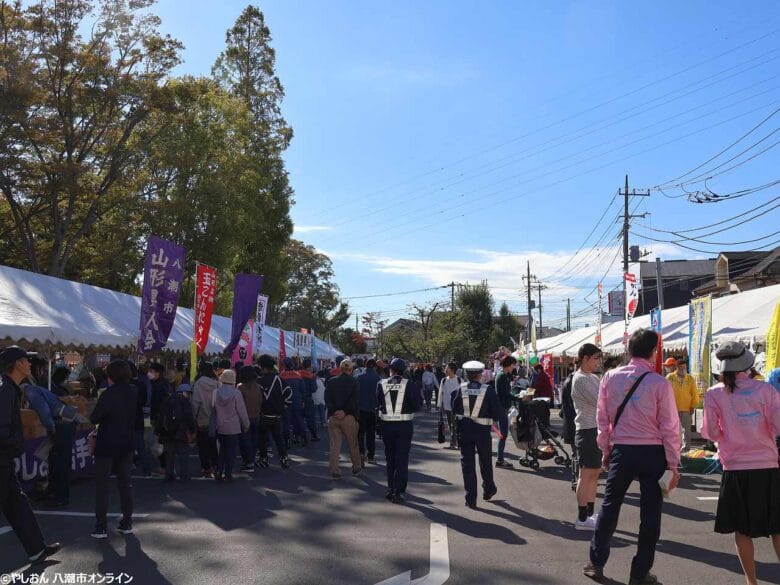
(282, 350)
(632, 300)
(205, 291)
(242, 353)
(193, 361)
(163, 273)
(262, 308)
(547, 364)
(772, 342)
(314, 351)
(700, 341)
(246, 289)
(533, 334)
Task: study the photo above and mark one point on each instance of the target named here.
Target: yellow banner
(193, 361)
(699, 342)
(772, 342)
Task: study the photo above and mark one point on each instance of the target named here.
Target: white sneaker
(595, 518)
(588, 524)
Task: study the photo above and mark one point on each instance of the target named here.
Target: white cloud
(307, 229)
(566, 276)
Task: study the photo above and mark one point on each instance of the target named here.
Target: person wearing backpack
(175, 426)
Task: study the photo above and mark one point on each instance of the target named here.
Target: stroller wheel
(534, 465)
(523, 462)
(559, 460)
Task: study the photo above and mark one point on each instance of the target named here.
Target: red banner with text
(205, 290)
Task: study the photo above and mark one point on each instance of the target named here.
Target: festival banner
(772, 342)
(699, 341)
(314, 365)
(245, 291)
(282, 350)
(205, 290)
(302, 340)
(547, 364)
(532, 325)
(657, 326)
(260, 315)
(632, 300)
(163, 273)
(242, 353)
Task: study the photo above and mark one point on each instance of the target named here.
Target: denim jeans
(322, 417)
(503, 427)
(228, 449)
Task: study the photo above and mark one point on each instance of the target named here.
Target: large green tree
(71, 107)
(474, 306)
(312, 297)
(505, 327)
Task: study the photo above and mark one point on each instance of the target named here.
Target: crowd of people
(626, 420)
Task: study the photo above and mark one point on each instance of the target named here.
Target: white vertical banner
(262, 308)
(601, 311)
(632, 301)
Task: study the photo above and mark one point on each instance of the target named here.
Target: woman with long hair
(742, 415)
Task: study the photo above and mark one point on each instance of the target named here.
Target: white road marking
(707, 498)
(439, 571)
(4, 529)
(81, 514)
(440, 558)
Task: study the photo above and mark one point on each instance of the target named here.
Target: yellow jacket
(686, 394)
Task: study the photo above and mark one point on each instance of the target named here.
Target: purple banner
(163, 273)
(245, 293)
(29, 469)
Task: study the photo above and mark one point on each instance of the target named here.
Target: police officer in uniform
(15, 367)
(476, 406)
(398, 398)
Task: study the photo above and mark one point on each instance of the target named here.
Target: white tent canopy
(44, 310)
(742, 317)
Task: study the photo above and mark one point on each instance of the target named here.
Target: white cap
(473, 366)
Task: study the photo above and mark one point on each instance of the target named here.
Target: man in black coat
(115, 416)
(15, 367)
(175, 426)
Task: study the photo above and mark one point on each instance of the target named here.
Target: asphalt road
(299, 527)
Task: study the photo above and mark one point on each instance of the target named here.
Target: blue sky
(452, 140)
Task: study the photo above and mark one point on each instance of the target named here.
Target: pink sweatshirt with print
(743, 423)
(650, 417)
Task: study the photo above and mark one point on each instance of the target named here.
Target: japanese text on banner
(204, 304)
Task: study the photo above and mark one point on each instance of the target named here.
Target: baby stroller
(533, 434)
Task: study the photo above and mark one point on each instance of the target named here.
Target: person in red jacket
(542, 383)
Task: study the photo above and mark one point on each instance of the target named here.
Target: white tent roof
(40, 309)
(741, 317)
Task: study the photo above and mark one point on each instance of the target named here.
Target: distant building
(740, 271)
(679, 278)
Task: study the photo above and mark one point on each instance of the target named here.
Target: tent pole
(49, 372)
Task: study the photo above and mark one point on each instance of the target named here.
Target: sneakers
(206, 473)
(504, 464)
(588, 524)
(99, 533)
(48, 550)
(370, 458)
(593, 571)
(125, 528)
(389, 495)
(648, 579)
(248, 468)
(356, 470)
(472, 505)
(263, 462)
(489, 494)
(218, 477)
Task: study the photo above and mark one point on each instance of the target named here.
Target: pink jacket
(743, 423)
(650, 417)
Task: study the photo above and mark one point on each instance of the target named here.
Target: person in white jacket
(319, 400)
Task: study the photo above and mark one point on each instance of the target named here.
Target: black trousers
(207, 449)
(16, 509)
(475, 439)
(60, 461)
(367, 433)
(119, 464)
(273, 426)
(647, 464)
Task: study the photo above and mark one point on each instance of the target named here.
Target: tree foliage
(100, 146)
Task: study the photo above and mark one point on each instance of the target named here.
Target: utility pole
(659, 283)
(452, 302)
(626, 227)
(568, 314)
(530, 302)
(540, 287)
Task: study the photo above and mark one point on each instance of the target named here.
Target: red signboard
(204, 304)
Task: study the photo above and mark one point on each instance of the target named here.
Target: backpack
(172, 417)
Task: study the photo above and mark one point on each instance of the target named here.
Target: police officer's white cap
(473, 366)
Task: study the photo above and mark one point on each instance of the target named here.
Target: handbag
(441, 427)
